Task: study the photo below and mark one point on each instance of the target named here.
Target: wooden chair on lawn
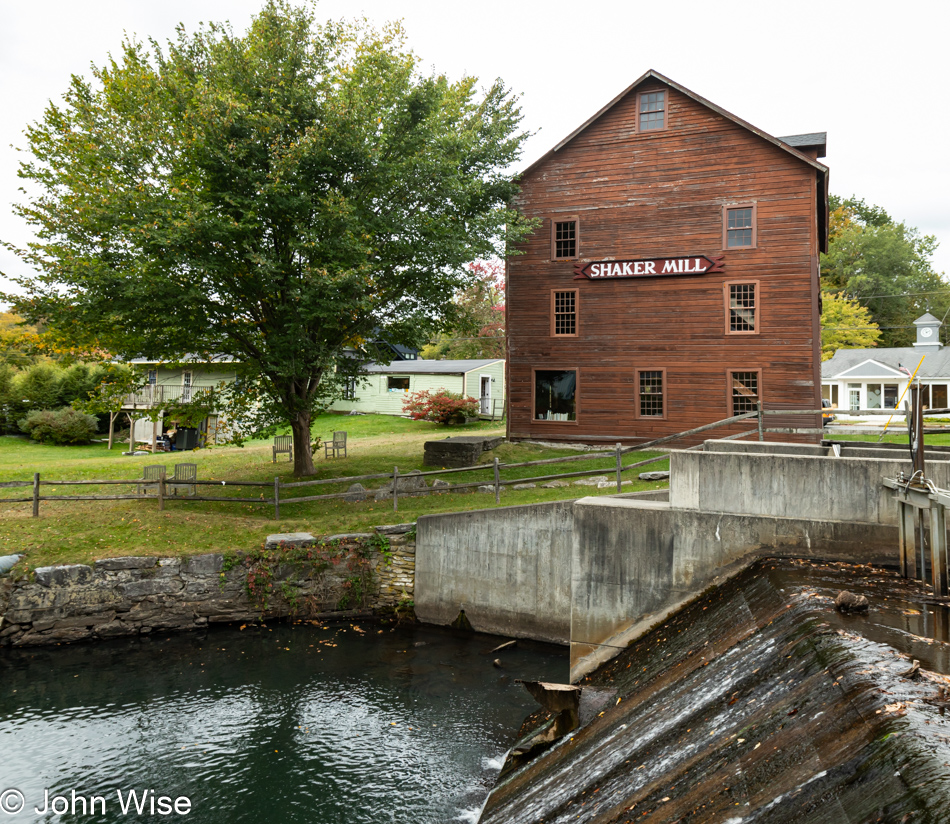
(336, 446)
(151, 473)
(282, 444)
(184, 473)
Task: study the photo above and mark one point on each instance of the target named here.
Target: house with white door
(181, 383)
(384, 387)
(877, 378)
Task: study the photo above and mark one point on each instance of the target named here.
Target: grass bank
(82, 531)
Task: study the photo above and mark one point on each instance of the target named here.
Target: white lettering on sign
(655, 267)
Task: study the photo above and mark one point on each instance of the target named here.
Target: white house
(384, 387)
(179, 384)
(878, 378)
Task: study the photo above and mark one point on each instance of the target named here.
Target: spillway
(758, 703)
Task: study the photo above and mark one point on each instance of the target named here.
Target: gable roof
(785, 146)
(935, 365)
(431, 367)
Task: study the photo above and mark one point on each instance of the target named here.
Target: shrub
(440, 406)
(63, 427)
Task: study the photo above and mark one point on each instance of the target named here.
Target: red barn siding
(661, 194)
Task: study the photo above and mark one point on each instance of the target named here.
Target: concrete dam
(736, 693)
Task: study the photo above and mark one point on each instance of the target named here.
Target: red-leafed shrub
(440, 406)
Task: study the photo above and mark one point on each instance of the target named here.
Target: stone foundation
(138, 595)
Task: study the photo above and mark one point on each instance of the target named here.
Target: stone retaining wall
(138, 595)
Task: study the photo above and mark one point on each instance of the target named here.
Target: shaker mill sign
(649, 268)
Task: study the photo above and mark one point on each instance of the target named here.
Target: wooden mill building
(673, 277)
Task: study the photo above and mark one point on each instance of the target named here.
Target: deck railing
(159, 394)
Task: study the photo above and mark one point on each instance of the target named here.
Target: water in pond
(335, 724)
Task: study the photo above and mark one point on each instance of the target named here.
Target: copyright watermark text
(136, 802)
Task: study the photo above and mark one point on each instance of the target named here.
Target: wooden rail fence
(759, 416)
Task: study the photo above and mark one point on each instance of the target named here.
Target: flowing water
(760, 703)
(334, 724)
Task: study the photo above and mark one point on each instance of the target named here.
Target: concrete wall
(765, 447)
(510, 568)
(791, 486)
(635, 562)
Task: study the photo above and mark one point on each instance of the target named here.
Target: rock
(524, 486)
(383, 494)
(654, 476)
(395, 529)
(61, 575)
(459, 451)
(348, 536)
(355, 494)
(204, 564)
(294, 539)
(7, 562)
(849, 602)
(126, 563)
(497, 663)
(555, 485)
(83, 621)
(612, 484)
(438, 485)
(487, 488)
(593, 481)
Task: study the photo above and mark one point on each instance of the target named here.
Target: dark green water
(294, 723)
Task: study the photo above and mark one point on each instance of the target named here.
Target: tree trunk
(112, 416)
(303, 460)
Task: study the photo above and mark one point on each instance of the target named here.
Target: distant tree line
(876, 279)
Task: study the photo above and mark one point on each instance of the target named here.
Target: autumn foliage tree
(479, 331)
(885, 266)
(846, 324)
(276, 197)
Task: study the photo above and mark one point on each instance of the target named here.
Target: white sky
(874, 75)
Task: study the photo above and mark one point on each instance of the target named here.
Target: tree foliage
(846, 324)
(883, 265)
(64, 427)
(276, 197)
(479, 331)
(50, 385)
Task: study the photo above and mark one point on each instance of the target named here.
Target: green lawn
(898, 436)
(81, 531)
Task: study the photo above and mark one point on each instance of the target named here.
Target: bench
(151, 473)
(336, 446)
(283, 444)
(179, 484)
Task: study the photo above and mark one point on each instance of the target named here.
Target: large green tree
(885, 266)
(277, 196)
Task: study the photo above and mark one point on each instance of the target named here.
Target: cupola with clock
(928, 332)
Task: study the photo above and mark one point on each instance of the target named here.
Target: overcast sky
(874, 75)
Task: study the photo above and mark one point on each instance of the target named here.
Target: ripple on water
(289, 724)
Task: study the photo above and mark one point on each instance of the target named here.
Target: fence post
(36, 494)
(761, 422)
(619, 466)
(497, 483)
(161, 492)
(277, 498)
(395, 488)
